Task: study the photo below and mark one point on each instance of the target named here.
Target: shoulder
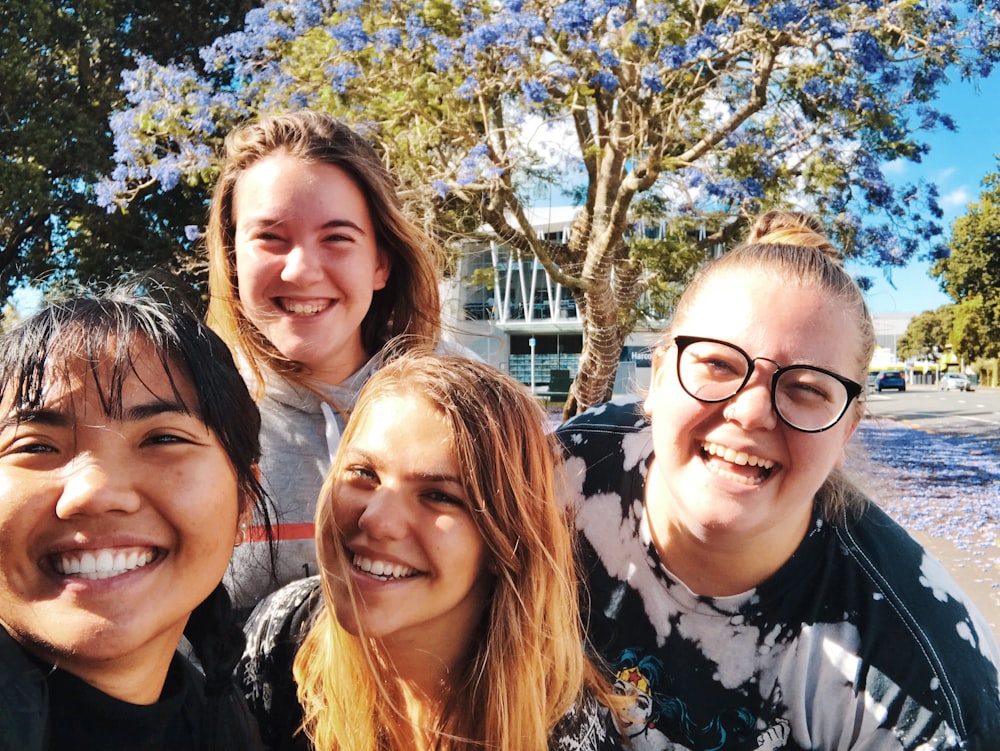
(617, 416)
(587, 726)
(606, 449)
(24, 715)
(921, 624)
(619, 424)
(274, 632)
(284, 616)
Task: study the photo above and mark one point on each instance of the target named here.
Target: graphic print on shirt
(638, 677)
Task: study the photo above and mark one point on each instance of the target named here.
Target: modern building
(506, 309)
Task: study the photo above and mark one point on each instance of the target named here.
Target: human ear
(383, 267)
(245, 518)
(655, 381)
(847, 438)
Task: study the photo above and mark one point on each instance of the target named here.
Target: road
(930, 458)
(925, 408)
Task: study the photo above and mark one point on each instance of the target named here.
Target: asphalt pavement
(930, 459)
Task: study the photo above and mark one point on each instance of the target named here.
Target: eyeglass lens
(805, 398)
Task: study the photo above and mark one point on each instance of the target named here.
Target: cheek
(251, 274)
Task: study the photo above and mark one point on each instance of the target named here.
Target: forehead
(768, 316)
(410, 423)
(112, 378)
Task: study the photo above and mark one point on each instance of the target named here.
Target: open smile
(103, 563)
(384, 570)
(304, 308)
(738, 466)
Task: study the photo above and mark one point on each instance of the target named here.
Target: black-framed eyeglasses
(804, 397)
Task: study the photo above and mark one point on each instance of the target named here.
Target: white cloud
(956, 199)
(896, 168)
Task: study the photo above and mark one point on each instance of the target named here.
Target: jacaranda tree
(720, 108)
(60, 71)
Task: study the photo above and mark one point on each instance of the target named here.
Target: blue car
(890, 379)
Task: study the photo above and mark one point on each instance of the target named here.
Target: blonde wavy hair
(793, 248)
(529, 665)
(409, 304)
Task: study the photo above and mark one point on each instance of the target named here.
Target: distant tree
(974, 336)
(60, 73)
(927, 335)
(720, 109)
(970, 275)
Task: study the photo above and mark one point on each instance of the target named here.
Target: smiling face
(307, 263)
(748, 480)
(417, 562)
(113, 530)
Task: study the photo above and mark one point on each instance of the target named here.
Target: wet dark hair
(105, 332)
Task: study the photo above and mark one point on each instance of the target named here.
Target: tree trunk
(603, 339)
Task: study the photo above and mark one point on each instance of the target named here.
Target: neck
(715, 562)
(121, 679)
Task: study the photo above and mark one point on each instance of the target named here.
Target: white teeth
(383, 569)
(302, 309)
(102, 564)
(736, 457)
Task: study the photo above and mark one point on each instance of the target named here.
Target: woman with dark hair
(128, 462)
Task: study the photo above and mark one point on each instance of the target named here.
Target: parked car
(952, 381)
(890, 379)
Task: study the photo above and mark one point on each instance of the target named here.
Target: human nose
(302, 265)
(752, 407)
(92, 487)
(383, 516)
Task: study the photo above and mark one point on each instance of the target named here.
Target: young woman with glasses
(742, 589)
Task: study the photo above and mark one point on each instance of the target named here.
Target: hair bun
(796, 228)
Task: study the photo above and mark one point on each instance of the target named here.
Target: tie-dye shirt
(860, 641)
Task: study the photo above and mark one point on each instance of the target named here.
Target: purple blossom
(534, 91)
(341, 75)
(787, 14)
(815, 87)
(469, 88)
(651, 79)
(440, 188)
(388, 39)
(605, 79)
(350, 34)
(673, 57)
(640, 39)
(866, 51)
(572, 17)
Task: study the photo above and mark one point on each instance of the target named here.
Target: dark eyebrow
(59, 419)
(38, 416)
(158, 407)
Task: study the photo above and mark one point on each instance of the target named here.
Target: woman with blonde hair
(742, 589)
(313, 267)
(445, 615)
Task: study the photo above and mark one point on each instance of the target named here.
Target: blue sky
(957, 163)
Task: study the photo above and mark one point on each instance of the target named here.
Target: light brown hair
(528, 666)
(408, 305)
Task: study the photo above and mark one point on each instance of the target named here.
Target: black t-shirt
(83, 718)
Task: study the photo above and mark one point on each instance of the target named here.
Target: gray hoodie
(300, 431)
